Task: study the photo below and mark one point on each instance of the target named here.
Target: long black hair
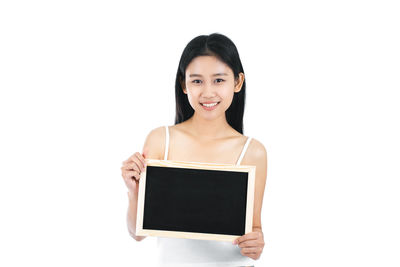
(224, 49)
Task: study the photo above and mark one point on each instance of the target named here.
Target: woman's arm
(252, 244)
(258, 157)
(152, 149)
(131, 217)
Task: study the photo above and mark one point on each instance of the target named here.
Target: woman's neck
(209, 129)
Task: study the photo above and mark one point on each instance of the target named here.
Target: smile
(210, 106)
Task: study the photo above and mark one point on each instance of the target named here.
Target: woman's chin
(208, 115)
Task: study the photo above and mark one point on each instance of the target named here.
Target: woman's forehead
(207, 66)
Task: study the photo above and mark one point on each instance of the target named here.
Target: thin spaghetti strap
(166, 142)
(243, 151)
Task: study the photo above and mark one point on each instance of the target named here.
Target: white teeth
(210, 105)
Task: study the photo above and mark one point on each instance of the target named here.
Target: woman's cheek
(193, 100)
(227, 101)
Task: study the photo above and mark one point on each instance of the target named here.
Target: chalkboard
(195, 200)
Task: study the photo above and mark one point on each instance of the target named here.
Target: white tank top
(194, 252)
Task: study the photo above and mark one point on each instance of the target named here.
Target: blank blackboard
(195, 200)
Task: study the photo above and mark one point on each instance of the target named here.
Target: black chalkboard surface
(195, 200)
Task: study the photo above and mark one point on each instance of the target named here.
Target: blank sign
(195, 200)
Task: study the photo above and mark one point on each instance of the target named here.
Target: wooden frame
(195, 165)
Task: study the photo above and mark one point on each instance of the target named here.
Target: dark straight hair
(224, 49)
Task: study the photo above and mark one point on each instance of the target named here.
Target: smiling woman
(206, 87)
(210, 97)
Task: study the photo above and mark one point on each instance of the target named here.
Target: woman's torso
(179, 145)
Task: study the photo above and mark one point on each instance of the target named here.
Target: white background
(83, 82)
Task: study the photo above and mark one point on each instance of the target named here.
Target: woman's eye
(199, 81)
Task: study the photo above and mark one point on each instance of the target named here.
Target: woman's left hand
(252, 244)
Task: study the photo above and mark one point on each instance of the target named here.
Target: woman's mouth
(210, 106)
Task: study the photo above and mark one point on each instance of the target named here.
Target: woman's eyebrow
(216, 74)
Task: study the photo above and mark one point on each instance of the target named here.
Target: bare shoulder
(256, 151)
(256, 154)
(154, 144)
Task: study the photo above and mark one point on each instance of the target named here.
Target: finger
(143, 159)
(251, 250)
(137, 155)
(249, 243)
(130, 182)
(145, 152)
(131, 157)
(248, 236)
(131, 175)
(132, 166)
(249, 254)
(139, 160)
(141, 156)
(134, 156)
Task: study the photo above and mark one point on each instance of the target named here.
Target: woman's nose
(208, 89)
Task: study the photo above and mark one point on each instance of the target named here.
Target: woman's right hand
(131, 169)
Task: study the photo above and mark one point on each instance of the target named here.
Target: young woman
(210, 99)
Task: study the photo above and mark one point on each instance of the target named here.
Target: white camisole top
(194, 252)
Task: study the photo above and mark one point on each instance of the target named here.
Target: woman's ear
(239, 82)
(183, 87)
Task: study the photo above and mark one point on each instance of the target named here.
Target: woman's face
(210, 81)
